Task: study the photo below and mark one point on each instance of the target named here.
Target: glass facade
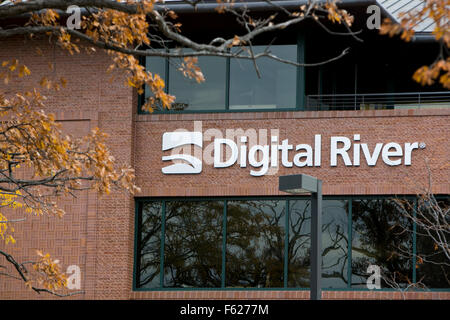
(193, 96)
(193, 244)
(432, 265)
(265, 243)
(276, 86)
(299, 243)
(149, 250)
(231, 84)
(334, 243)
(379, 238)
(255, 243)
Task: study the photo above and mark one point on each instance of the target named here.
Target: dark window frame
(299, 94)
(138, 205)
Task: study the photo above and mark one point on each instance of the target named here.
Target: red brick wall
(288, 295)
(97, 232)
(429, 126)
(92, 224)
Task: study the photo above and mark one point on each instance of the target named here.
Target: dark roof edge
(255, 5)
(205, 7)
(262, 6)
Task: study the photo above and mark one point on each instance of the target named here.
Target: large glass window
(334, 243)
(299, 243)
(208, 95)
(149, 244)
(255, 243)
(231, 84)
(380, 238)
(432, 265)
(276, 86)
(158, 66)
(265, 243)
(193, 244)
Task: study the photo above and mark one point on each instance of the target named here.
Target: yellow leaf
(63, 82)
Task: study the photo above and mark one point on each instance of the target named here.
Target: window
(149, 244)
(193, 244)
(193, 96)
(334, 243)
(265, 243)
(255, 243)
(379, 238)
(231, 84)
(299, 243)
(276, 88)
(432, 265)
(157, 66)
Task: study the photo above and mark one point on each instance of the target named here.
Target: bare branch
(172, 54)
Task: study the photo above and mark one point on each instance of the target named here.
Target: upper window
(231, 84)
(276, 88)
(193, 96)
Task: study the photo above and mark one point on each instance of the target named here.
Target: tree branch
(174, 54)
(16, 9)
(21, 270)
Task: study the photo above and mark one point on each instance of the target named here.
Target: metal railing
(379, 101)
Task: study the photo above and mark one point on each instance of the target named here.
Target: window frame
(140, 200)
(300, 96)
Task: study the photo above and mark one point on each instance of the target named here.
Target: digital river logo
(173, 140)
(263, 157)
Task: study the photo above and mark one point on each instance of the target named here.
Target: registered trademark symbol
(422, 145)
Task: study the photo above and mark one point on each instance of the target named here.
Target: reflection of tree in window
(432, 266)
(149, 245)
(334, 243)
(299, 243)
(379, 238)
(193, 244)
(255, 241)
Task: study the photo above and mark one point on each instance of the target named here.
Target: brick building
(220, 228)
